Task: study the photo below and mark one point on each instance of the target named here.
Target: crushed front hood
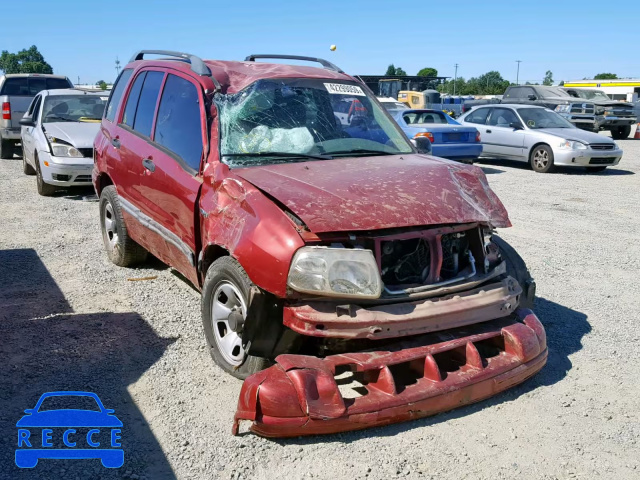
(371, 193)
(78, 134)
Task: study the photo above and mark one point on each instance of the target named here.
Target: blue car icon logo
(53, 429)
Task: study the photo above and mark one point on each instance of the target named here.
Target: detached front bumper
(303, 395)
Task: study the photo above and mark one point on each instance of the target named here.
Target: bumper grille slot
(601, 146)
(82, 178)
(601, 161)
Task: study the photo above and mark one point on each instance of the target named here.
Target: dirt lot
(71, 320)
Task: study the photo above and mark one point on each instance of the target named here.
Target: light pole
(518, 72)
(117, 66)
(455, 79)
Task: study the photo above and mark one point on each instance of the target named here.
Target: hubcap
(109, 224)
(541, 159)
(227, 300)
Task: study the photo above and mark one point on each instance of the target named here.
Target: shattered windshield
(290, 120)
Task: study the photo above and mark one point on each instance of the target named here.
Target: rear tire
(541, 159)
(517, 268)
(121, 249)
(226, 291)
(44, 189)
(621, 133)
(6, 149)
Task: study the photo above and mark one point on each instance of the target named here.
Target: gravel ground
(71, 320)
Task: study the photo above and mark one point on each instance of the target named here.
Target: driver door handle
(115, 142)
(148, 164)
(488, 131)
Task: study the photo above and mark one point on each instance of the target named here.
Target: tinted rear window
(29, 86)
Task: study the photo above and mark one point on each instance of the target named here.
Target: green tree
(392, 70)
(561, 83)
(101, 84)
(25, 61)
(428, 72)
(605, 76)
(548, 78)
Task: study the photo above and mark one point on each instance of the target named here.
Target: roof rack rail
(197, 65)
(326, 64)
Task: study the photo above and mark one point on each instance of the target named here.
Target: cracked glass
(291, 120)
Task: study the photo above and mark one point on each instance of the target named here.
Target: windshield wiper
(55, 117)
(357, 151)
(280, 154)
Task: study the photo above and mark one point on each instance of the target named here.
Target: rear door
(478, 118)
(506, 140)
(170, 178)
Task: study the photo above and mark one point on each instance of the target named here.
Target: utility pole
(518, 72)
(78, 80)
(117, 66)
(455, 79)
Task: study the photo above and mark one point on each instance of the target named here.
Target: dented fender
(236, 216)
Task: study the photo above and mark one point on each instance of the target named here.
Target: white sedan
(57, 134)
(539, 136)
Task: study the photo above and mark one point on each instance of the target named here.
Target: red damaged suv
(351, 280)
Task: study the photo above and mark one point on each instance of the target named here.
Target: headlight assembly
(336, 272)
(61, 150)
(563, 108)
(572, 145)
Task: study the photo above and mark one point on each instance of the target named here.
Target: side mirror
(516, 126)
(27, 121)
(423, 145)
(532, 97)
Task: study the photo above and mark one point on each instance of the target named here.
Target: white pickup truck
(16, 92)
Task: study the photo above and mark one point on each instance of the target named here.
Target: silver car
(541, 137)
(57, 134)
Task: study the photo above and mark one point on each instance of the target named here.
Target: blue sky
(573, 39)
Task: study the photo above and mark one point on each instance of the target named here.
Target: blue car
(69, 433)
(448, 138)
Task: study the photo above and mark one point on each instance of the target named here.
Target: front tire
(517, 268)
(225, 302)
(621, 133)
(44, 189)
(121, 249)
(541, 159)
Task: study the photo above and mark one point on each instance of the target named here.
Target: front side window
(73, 108)
(179, 124)
(288, 120)
(147, 103)
(129, 114)
(478, 116)
(503, 117)
(116, 93)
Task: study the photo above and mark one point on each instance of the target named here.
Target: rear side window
(179, 125)
(478, 116)
(132, 102)
(116, 94)
(147, 103)
(29, 86)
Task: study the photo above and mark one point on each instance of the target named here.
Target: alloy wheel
(110, 227)
(541, 159)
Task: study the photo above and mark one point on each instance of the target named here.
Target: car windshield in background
(281, 121)
(592, 95)
(394, 106)
(73, 108)
(536, 118)
(30, 86)
(557, 92)
(424, 118)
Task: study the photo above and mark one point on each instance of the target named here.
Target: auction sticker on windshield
(343, 89)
